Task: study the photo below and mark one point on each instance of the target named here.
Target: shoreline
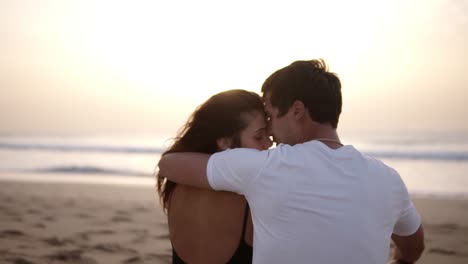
(148, 181)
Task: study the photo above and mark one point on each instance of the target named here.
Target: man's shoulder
(242, 154)
(370, 161)
(239, 151)
(381, 168)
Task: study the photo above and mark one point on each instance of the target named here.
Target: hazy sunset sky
(143, 66)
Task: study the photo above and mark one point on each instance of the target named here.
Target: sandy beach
(100, 223)
(81, 223)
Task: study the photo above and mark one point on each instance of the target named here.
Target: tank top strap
(246, 215)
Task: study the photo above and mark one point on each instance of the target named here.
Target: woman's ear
(223, 143)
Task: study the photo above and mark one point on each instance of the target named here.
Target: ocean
(431, 164)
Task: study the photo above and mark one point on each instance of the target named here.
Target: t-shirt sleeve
(408, 220)
(233, 169)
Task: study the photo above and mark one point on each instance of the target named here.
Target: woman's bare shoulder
(201, 220)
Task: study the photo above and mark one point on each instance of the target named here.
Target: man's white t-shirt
(313, 204)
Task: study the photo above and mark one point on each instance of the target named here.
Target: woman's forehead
(255, 120)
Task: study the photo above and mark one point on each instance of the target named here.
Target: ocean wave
(87, 170)
(82, 148)
(419, 141)
(451, 195)
(410, 154)
(419, 155)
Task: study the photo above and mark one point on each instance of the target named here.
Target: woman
(207, 226)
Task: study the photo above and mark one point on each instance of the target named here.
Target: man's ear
(223, 143)
(298, 109)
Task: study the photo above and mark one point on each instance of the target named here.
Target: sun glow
(172, 52)
(157, 60)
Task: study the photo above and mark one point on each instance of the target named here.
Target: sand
(47, 222)
(81, 223)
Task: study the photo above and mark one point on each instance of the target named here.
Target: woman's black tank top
(243, 252)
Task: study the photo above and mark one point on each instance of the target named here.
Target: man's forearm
(185, 168)
(397, 258)
(409, 248)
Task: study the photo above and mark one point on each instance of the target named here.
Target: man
(313, 200)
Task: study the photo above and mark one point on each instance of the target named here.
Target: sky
(141, 67)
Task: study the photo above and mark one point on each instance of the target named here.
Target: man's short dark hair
(311, 83)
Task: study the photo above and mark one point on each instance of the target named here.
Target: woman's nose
(268, 143)
(268, 129)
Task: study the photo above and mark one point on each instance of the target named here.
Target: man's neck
(324, 133)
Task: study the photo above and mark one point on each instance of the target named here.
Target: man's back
(311, 203)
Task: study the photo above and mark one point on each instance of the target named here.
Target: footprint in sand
(121, 219)
(9, 211)
(87, 235)
(163, 236)
(138, 231)
(15, 258)
(442, 251)
(149, 258)
(141, 209)
(39, 225)
(21, 261)
(17, 219)
(57, 242)
(139, 240)
(157, 258)
(121, 216)
(113, 248)
(70, 256)
(140, 235)
(33, 212)
(83, 216)
(444, 228)
(49, 219)
(121, 212)
(25, 246)
(133, 260)
(12, 233)
(12, 214)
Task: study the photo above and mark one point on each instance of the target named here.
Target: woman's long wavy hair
(221, 116)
